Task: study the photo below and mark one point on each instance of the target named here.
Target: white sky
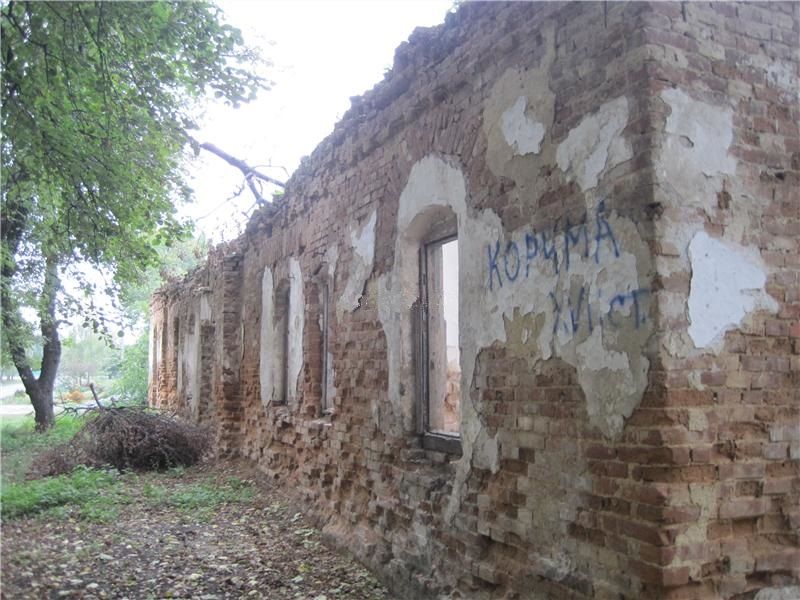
(322, 53)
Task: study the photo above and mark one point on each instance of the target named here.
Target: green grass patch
(14, 420)
(88, 490)
(20, 443)
(204, 494)
(21, 435)
(209, 495)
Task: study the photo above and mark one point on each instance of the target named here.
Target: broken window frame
(431, 439)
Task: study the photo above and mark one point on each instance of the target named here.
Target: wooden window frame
(431, 440)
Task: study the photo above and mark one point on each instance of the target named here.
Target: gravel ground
(161, 538)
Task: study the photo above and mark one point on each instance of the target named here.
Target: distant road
(7, 388)
(8, 410)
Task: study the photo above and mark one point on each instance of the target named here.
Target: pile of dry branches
(127, 438)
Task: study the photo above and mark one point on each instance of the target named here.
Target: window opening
(441, 393)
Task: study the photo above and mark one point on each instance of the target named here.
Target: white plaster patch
(692, 166)
(791, 592)
(363, 244)
(594, 356)
(596, 144)
(698, 421)
(781, 74)
(159, 347)
(704, 497)
(330, 388)
(296, 327)
(192, 358)
(267, 344)
(517, 116)
(521, 132)
(698, 136)
(727, 284)
(205, 307)
(694, 162)
(331, 259)
(179, 350)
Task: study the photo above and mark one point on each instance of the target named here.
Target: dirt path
(179, 535)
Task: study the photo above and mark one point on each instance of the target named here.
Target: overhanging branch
(250, 173)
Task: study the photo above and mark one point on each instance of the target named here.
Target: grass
(93, 494)
(19, 443)
(84, 492)
(14, 420)
(82, 489)
(198, 498)
(209, 494)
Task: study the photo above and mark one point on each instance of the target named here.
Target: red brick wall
(728, 421)
(696, 495)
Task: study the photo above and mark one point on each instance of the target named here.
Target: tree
(131, 380)
(98, 99)
(84, 355)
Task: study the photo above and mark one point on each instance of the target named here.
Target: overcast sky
(322, 53)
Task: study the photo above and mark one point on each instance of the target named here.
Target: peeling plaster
(694, 162)
(698, 138)
(517, 117)
(727, 284)
(783, 593)
(698, 421)
(363, 244)
(692, 165)
(330, 376)
(780, 74)
(188, 357)
(296, 328)
(704, 497)
(268, 342)
(192, 357)
(205, 308)
(159, 347)
(614, 375)
(521, 132)
(596, 145)
(330, 259)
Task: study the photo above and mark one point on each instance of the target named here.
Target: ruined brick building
(528, 320)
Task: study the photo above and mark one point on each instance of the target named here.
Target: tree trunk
(51, 352)
(44, 415)
(39, 390)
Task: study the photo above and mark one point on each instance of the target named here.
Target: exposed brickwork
(691, 490)
(732, 408)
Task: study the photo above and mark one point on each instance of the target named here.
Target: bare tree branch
(251, 174)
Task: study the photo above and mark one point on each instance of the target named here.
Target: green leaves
(97, 98)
